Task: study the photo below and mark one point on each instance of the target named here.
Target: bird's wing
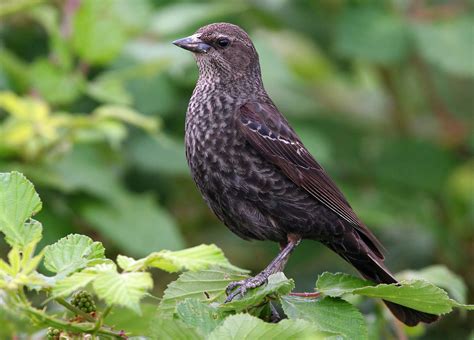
(269, 133)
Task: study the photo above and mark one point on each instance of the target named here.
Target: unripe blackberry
(53, 333)
(84, 301)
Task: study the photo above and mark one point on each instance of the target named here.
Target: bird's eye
(223, 42)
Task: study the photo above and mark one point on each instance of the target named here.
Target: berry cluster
(84, 301)
(53, 333)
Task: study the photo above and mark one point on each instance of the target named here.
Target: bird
(255, 173)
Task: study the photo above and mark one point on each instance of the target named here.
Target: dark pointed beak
(193, 44)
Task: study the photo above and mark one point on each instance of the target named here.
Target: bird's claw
(239, 288)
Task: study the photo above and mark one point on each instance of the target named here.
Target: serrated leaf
(247, 327)
(277, 285)
(195, 258)
(66, 286)
(31, 233)
(206, 285)
(200, 316)
(124, 289)
(417, 294)
(442, 277)
(169, 329)
(72, 253)
(338, 284)
(328, 314)
(18, 202)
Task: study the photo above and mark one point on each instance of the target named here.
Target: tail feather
(373, 269)
(369, 264)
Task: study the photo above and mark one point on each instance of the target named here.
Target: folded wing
(265, 128)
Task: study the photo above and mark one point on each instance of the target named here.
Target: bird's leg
(277, 265)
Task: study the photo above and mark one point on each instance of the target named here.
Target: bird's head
(222, 51)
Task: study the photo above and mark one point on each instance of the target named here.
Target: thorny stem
(74, 309)
(70, 326)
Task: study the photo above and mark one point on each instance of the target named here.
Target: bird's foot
(240, 287)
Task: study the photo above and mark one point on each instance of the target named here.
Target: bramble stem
(75, 310)
(85, 327)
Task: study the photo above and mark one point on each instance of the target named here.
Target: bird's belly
(253, 197)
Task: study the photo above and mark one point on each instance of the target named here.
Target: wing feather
(269, 133)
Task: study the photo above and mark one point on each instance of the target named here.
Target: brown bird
(255, 173)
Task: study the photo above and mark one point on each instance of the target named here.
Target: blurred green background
(93, 98)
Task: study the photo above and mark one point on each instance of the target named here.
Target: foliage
(195, 301)
(92, 103)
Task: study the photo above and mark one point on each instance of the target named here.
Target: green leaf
(98, 34)
(177, 18)
(72, 253)
(277, 285)
(198, 315)
(109, 90)
(455, 36)
(247, 327)
(169, 329)
(124, 289)
(54, 84)
(195, 258)
(79, 280)
(371, 35)
(18, 202)
(440, 276)
(135, 324)
(336, 285)
(206, 285)
(133, 223)
(128, 115)
(30, 231)
(162, 155)
(420, 295)
(411, 158)
(328, 314)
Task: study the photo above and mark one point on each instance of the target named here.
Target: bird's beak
(193, 44)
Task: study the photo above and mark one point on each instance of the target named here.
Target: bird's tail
(373, 269)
